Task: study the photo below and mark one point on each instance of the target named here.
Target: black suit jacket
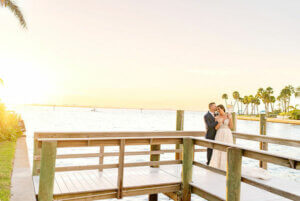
(210, 126)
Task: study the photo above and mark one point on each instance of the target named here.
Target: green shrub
(9, 124)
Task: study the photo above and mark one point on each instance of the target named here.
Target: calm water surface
(83, 119)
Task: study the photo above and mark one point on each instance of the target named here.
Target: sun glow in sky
(149, 54)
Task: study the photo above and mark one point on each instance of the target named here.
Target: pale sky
(169, 54)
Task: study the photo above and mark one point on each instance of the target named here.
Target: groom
(210, 123)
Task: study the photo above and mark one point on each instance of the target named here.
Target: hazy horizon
(147, 54)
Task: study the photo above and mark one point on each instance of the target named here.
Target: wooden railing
(233, 174)
(45, 145)
(155, 151)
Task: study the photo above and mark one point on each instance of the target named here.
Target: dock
(177, 178)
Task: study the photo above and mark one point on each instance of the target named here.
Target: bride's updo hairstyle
(222, 107)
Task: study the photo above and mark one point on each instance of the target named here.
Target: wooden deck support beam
(121, 169)
(36, 152)
(263, 131)
(179, 127)
(233, 175)
(187, 168)
(47, 173)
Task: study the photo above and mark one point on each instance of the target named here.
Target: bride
(224, 134)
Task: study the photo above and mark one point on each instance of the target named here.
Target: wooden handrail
(247, 152)
(85, 142)
(252, 137)
(290, 162)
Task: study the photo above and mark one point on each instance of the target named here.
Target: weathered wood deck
(175, 178)
(167, 178)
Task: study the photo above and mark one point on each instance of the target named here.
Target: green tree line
(249, 104)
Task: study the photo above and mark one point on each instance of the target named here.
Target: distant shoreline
(103, 107)
(274, 120)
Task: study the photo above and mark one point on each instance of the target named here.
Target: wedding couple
(218, 125)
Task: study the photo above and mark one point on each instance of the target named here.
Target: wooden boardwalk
(205, 181)
(175, 178)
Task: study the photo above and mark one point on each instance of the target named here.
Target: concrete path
(21, 182)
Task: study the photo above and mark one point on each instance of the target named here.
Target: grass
(7, 152)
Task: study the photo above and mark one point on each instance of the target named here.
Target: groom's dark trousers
(211, 131)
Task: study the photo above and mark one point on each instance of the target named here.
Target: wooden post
(187, 168)
(233, 175)
(234, 125)
(47, 172)
(36, 152)
(154, 157)
(179, 127)
(101, 157)
(153, 197)
(263, 131)
(121, 168)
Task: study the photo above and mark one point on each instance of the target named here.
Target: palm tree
(285, 96)
(241, 100)
(246, 102)
(251, 100)
(16, 10)
(264, 95)
(225, 97)
(257, 103)
(236, 96)
(272, 102)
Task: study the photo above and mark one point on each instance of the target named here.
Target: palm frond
(16, 10)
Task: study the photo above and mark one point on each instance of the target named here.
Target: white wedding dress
(219, 158)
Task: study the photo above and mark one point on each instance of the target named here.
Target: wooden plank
(269, 139)
(63, 187)
(121, 169)
(76, 182)
(72, 188)
(253, 137)
(46, 182)
(100, 180)
(107, 154)
(233, 176)
(187, 168)
(108, 166)
(152, 190)
(251, 153)
(85, 142)
(117, 134)
(87, 196)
